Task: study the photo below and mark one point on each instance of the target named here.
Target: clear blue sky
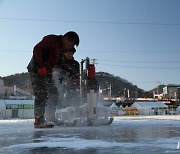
(138, 40)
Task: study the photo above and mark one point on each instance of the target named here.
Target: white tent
(114, 106)
(117, 110)
(178, 110)
(121, 107)
(151, 108)
(121, 112)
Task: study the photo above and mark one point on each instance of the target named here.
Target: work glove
(42, 71)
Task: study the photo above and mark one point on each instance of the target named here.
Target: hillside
(119, 86)
(21, 80)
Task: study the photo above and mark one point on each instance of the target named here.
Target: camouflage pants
(46, 95)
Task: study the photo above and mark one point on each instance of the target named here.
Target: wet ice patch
(69, 143)
(76, 143)
(167, 143)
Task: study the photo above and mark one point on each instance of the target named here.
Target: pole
(110, 92)
(81, 82)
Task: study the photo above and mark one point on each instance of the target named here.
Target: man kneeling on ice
(65, 73)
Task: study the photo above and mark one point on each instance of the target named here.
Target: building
(1, 86)
(23, 109)
(130, 110)
(172, 92)
(158, 96)
(151, 108)
(14, 92)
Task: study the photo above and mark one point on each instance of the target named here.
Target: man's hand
(42, 71)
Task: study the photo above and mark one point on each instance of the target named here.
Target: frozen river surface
(124, 135)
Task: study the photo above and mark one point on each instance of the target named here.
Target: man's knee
(53, 91)
(52, 100)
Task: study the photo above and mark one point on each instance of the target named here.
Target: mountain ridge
(118, 85)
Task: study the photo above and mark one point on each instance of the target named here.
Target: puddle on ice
(128, 136)
(76, 144)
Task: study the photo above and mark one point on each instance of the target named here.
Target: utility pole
(157, 86)
(110, 91)
(15, 90)
(128, 93)
(136, 91)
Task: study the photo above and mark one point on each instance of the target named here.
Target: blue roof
(151, 104)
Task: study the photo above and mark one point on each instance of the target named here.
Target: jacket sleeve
(44, 45)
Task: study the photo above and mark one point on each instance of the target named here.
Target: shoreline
(154, 117)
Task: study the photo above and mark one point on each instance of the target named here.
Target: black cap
(72, 36)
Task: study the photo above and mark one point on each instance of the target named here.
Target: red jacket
(46, 53)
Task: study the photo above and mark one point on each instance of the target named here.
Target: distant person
(46, 54)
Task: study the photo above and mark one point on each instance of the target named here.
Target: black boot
(41, 123)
